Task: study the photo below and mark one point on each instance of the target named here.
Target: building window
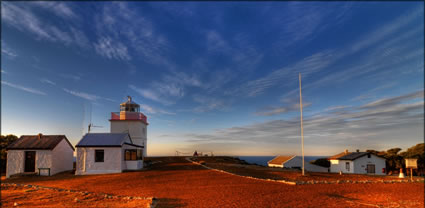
(140, 154)
(132, 154)
(368, 155)
(347, 166)
(99, 155)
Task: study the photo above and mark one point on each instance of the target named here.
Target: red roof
(279, 160)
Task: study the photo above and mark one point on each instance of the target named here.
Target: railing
(123, 115)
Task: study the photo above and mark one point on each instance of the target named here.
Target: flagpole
(302, 130)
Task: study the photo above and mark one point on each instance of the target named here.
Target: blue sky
(219, 76)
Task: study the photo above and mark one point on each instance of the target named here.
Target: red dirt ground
(29, 197)
(177, 183)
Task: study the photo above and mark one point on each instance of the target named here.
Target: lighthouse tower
(131, 120)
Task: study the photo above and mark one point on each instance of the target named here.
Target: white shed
(357, 162)
(42, 154)
(100, 153)
(294, 162)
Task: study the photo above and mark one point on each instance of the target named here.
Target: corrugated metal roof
(348, 155)
(279, 160)
(42, 142)
(102, 139)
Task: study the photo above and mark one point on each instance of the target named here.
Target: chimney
(39, 135)
(357, 150)
(346, 151)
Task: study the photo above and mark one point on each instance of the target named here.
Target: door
(29, 161)
(371, 168)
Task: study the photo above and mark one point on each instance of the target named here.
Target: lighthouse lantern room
(131, 120)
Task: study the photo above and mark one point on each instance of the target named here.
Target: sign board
(411, 163)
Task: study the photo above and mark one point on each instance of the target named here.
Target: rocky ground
(176, 182)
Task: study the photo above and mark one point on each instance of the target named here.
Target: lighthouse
(131, 120)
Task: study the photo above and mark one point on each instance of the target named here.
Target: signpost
(412, 164)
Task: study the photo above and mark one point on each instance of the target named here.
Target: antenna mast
(90, 123)
(302, 130)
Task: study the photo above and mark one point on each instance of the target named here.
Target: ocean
(262, 160)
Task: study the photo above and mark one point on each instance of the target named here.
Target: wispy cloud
(335, 108)
(22, 17)
(152, 110)
(26, 89)
(61, 9)
(71, 76)
(84, 95)
(170, 88)
(208, 103)
(394, 100)
(87, 96)
(286, 75)
(241, 51)
(47, 81)
(3, 71)
(390, 28)
(363, 127)
(389, 54)
(136, 32)
(112, 49)
(301, 22)
(150, 94)
(8, 52)
(271, 111)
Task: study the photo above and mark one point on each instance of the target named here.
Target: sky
(219, 77)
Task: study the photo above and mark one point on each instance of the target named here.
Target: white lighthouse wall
(62, 158)
(86, 160)
(136, 129)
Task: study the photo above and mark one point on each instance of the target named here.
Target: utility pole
(302, 130)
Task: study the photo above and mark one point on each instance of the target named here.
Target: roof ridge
(46, 135)
(107, 133)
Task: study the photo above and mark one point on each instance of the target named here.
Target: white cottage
(357, 162)
(100, 153)
(42, 154)
(294, 162)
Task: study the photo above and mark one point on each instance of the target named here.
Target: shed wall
(360, 164)
(15, 162)
(86, 160)
(62, 158)
(43, 160)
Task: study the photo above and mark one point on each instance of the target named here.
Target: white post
(302, 130)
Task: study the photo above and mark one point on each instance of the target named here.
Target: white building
(357, 162)
(130, 120)
(99, 153)
(42, 154)
(294, 162)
